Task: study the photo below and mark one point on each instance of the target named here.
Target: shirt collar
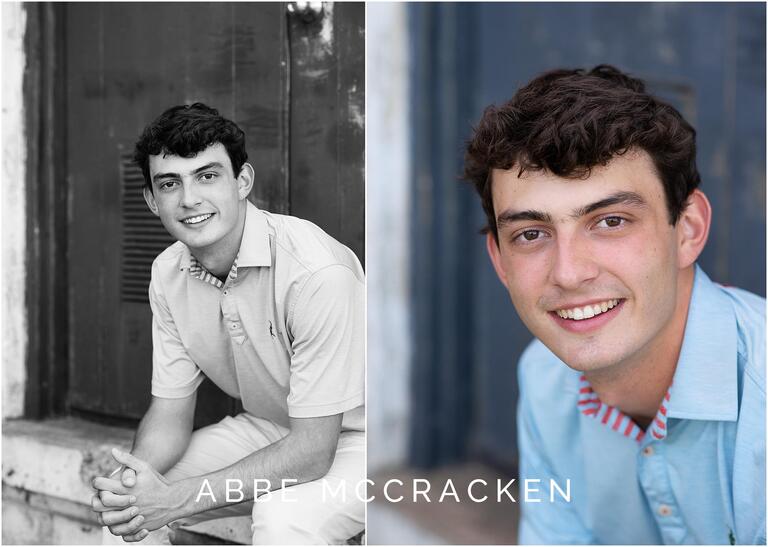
(704, 386)
(254, 247)
(705, 381)
(198, 271)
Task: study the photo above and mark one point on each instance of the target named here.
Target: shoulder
(749, 312)
(169, 261)
(302, 245)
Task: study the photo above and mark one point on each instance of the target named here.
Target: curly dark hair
(185, 130)
(568, 121)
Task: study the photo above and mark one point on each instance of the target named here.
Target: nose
(573, 263)
(189, 196)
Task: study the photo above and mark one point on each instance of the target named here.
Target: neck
(637, 387)
(219, 257)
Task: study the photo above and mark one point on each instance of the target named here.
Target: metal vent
(144, 237)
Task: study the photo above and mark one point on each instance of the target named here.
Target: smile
(198, 219)
(588, 311)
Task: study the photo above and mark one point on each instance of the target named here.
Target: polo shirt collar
(705, 381)
(254, 246)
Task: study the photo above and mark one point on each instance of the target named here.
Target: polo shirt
(695, 475)
(284, 333)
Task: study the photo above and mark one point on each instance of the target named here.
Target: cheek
(526, 275)
(644, 262)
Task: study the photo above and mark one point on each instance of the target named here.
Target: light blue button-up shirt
(697, 475)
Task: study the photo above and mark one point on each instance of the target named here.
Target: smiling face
(199, 200)
(593, 266)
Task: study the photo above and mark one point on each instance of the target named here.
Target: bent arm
(304, 455)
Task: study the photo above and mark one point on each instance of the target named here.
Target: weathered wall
(13, 325)
(388, 206)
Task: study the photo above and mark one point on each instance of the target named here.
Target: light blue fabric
(703, 483)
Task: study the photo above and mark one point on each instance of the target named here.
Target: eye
(168, 185)
(611, 222)
(208, 177)
(529, 236)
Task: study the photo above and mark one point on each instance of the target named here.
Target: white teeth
(587, 311)
(197, 219)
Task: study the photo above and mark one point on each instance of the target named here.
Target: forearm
(295, 459)
(160, 444)
(163, 436)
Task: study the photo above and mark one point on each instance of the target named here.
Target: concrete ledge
(47, 471)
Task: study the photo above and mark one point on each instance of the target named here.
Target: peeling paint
(326, 31)
(356, 115)
(13, 319)
(316, 73)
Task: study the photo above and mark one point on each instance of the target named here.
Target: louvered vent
(143, 234)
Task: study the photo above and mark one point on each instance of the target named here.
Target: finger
(128, 459)
(136, 537)
(129, 477)
(112, 518)
(112, 500)
(97, 506)
(127, 527)
(111, 485)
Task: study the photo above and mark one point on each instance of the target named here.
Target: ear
(245, 180)
(149, 197)
(693, 228)
(494, 253)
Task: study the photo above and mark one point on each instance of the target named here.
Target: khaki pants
(326, 511)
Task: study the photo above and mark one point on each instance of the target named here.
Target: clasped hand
(140, 501)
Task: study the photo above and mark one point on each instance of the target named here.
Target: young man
(271, 309)
(646, 386)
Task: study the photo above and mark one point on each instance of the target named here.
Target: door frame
(46, 285)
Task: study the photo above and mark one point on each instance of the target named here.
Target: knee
(282, 522)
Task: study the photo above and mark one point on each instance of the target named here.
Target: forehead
(544, 191)
(170, 163)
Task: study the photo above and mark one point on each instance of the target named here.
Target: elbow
(320, 464)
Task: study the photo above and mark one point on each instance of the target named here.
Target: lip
(199, 223)
(587, 325)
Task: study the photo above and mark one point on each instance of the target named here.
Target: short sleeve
(327, 322)
(174, 374)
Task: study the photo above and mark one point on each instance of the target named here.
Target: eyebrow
(619, 198)
(212, 165)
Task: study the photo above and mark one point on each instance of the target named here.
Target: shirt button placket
(655, 482)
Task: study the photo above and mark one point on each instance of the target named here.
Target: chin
(584, 359)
